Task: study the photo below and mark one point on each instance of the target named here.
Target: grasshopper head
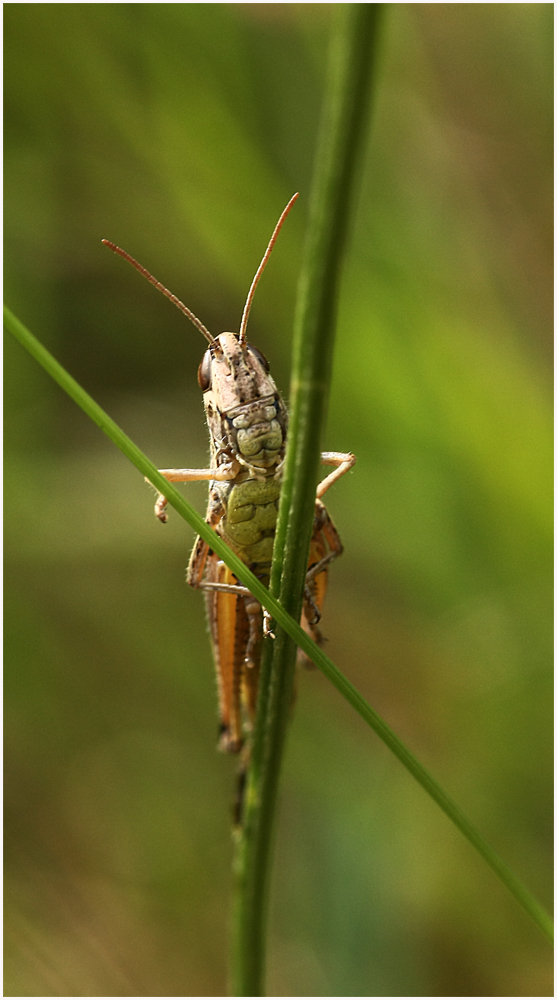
(234, 373)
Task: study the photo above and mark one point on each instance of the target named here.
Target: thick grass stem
(340, 141)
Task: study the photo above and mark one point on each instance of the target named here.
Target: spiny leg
(201, 549)
(253, 612)
(325, 547)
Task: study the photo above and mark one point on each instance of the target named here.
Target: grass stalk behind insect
(343, 126)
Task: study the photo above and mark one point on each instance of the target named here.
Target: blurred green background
(179, 131)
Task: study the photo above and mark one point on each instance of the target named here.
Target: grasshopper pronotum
(247, 423)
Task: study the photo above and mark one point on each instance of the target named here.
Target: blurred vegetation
(179, 131)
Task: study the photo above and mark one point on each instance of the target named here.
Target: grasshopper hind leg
(325, 547)
(309, 624)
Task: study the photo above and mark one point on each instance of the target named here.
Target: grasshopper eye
(260, 356)
(204, 372)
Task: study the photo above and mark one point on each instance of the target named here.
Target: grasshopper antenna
(259, 272)
(173, 298)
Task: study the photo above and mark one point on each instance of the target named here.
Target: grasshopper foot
(160, 508)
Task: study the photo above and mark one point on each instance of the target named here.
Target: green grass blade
(351, 63)
(428, 783)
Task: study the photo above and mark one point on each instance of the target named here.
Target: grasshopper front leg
(223, 473)
(344, 462)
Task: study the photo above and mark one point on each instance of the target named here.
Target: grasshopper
(247, 422)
